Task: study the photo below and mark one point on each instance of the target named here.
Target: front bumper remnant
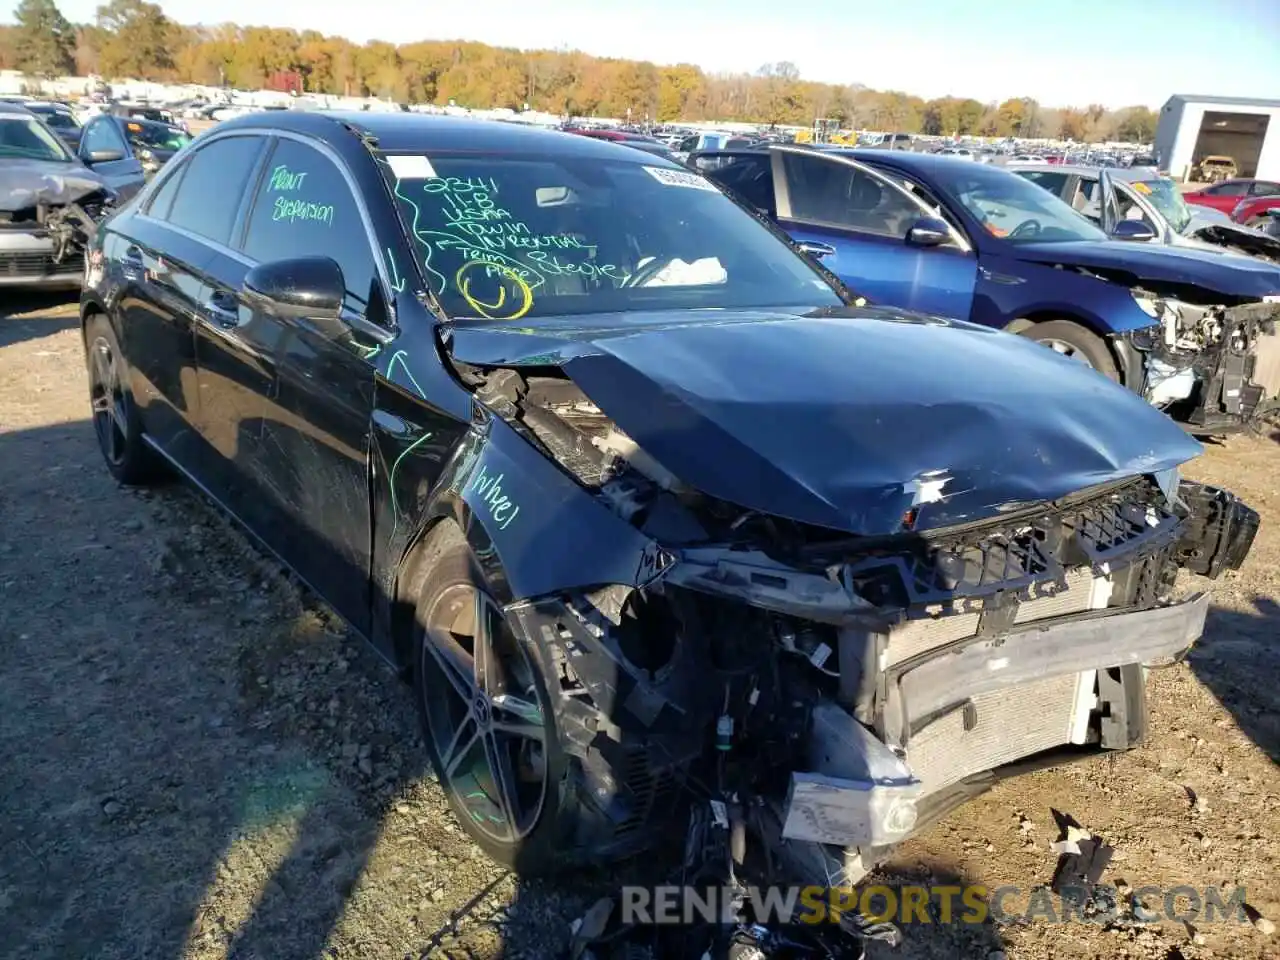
(1219, 532)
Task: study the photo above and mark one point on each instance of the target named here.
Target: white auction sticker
(679, 178)
(411, 167)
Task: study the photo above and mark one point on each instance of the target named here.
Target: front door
(315, 434)
(125, 175)
(857, 220)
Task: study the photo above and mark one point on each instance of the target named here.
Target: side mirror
(103, 156)
(928, 232)
(1137, 230)
(301, 288)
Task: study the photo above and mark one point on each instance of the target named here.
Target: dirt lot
(195, 760)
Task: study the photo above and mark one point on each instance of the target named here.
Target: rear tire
(115, 416)
(1070, 339)
(514, 722)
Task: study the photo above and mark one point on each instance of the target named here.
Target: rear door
(233, 374)
(161, 269)
(857, 219)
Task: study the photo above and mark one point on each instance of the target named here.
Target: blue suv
(1191, 331)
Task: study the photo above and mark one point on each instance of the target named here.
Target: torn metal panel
(548, 534)
(26, 184)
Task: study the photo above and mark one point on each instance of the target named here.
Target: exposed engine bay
(816, 697)
(61, 212)
(1208, 365)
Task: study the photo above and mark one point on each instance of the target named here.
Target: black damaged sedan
(637, 498)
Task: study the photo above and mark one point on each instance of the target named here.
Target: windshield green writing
(504, 262)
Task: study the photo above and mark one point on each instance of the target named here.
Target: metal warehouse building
(1192, 128)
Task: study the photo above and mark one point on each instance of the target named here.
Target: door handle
(131, 264)
(222, 311)
(815, 249)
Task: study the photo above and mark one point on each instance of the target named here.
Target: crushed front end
(829, 694)
(45, 225)
(1210, 366)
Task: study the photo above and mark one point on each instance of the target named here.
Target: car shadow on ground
(201, 761)
(1235, 649)
(17, 327)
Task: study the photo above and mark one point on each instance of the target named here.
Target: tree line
(134, 39)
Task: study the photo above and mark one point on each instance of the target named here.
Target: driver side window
(305, 207)
(835, 194)
(102, 135)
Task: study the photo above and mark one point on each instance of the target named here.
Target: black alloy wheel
(488, 727)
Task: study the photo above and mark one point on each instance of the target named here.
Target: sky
(1061, 52)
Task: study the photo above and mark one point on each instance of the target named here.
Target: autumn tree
(43, 40)
(1136, 125)
(780, 97)
(139, 39)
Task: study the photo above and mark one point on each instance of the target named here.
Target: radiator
(1002, 727)
(919, 636)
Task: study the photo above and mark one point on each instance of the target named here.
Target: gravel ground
(197, 761)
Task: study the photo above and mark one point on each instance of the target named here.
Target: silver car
(1107, 196)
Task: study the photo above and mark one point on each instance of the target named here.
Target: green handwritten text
(294, 210)
(284, 179)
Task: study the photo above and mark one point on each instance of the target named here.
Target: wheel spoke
(464, 740)
(504, 789)
(517, 717)
(452, 662)
(482, 647)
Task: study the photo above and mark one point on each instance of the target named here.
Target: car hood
(846, 420)
(1235, 277)
(26, 183)
(1236, 238)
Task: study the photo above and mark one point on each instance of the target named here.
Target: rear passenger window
(305, 208)
(1053, 182)
(828, 192)
(216, 178)
(162, 200)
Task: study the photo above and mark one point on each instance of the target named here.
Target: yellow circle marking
(488, 310)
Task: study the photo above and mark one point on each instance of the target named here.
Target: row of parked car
(643, 482)
(50, 159)
(1109, 267)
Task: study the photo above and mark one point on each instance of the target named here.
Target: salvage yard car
(49, 203)
(634, 494)
(1190, 330)
(1108, 197)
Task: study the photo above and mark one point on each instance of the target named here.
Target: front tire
(1071, 340)
(115, 416)
(488, 719)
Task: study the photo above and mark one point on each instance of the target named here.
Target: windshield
(58, 119)
(508, 237)
(156, 135)
(1163, 194)
(1015, 209)
(26, 138)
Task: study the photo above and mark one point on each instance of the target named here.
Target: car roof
(14, 109)
(923, 163)
(417, 132)
(1125, 174)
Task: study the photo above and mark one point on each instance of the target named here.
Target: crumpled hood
(847, 421)
(25, 183)
(1247, 240)
(1237, 277)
